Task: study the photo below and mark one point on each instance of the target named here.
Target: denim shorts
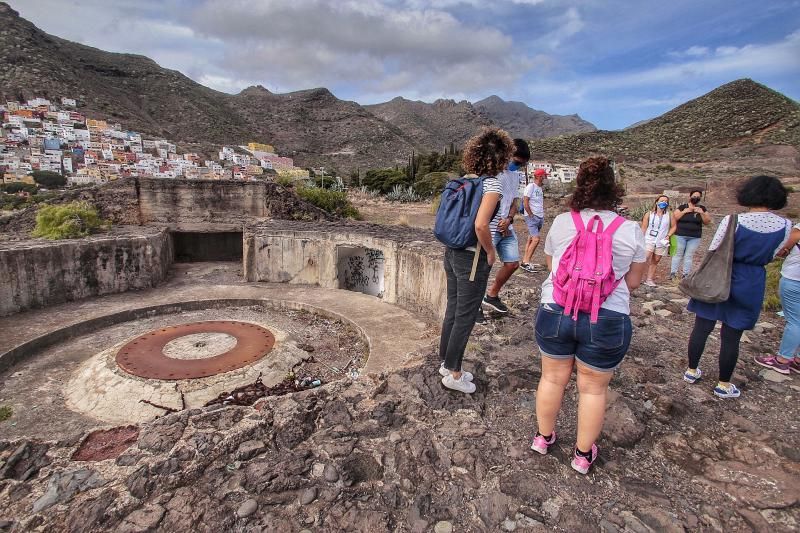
(534, 224)
(600, 346)
(507, 247)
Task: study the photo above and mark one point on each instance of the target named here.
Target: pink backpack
(585, 276)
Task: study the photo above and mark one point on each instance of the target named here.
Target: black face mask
(694, 199)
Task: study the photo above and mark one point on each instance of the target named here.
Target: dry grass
(772, 301)
(402, 220)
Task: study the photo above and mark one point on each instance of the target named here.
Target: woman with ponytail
(658, 227)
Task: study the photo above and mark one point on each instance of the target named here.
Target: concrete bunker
(360, 269)
(196, 246)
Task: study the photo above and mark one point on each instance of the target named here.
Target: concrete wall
(39, 273)
(216, 205)
(412, 273)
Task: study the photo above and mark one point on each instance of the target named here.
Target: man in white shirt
(533, 203)
(502, 226)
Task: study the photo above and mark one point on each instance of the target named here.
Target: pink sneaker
(794, 366)
(541, 445)
(582, 464)
(770, 361)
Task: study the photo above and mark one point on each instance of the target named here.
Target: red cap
(539, 172)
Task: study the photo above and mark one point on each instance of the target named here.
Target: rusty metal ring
(144, 356)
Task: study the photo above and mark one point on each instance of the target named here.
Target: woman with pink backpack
(595, 258)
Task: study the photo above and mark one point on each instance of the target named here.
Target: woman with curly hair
(485, 155)
(595, 348)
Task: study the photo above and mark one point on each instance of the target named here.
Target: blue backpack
(458, 209)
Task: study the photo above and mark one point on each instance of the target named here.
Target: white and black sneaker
(460, 384)
(466, 376)
(527, 267)
(494, 303)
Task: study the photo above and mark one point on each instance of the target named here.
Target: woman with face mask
(689, 221)
(658, 226)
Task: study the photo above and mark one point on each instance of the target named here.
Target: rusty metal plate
(144, 356)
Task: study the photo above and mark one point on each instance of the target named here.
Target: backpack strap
(475, 262)
(578, 221)
(614, 226)
(605, 243)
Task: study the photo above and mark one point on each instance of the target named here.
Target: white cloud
(367, 44)
(752, 60)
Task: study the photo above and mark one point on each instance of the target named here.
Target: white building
(70, 102)
(563, 173)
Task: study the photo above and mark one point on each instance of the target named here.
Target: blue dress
(751, 251)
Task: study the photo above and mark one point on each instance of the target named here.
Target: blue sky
(613, 62)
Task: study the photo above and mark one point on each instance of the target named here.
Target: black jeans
(463, 302)
(728, 350)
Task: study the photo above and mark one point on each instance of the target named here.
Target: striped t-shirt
(492, 184)
(501, 185)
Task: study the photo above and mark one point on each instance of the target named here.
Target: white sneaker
(466, 376)
(458, 384)
(650, 283)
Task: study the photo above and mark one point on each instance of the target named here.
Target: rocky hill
(314, 126)
(433, 125)
(522, 121)
(728, 122)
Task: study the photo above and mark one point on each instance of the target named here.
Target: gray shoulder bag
(711, 282)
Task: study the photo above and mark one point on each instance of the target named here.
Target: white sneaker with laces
(458, 384)
(466, 376)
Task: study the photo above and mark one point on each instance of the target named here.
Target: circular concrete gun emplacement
(182, 351)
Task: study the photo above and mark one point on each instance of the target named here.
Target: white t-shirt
(626, 248)
(535, 197)
(509, 183)
(791, 266)
(490, 184)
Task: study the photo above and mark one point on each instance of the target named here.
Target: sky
(613, 62)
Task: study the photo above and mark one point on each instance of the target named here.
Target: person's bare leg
(555, 377)
(530, 249)
(503, 275)
(592, 391)
(651, 269)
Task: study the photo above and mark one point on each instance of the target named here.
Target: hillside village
(45, 136)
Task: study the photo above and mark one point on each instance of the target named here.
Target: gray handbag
(711, 282)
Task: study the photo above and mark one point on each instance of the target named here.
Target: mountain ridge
(317, 128)
(732, 119)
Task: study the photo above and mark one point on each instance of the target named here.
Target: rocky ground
(397, 452)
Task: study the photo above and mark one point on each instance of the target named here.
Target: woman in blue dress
(759, 236)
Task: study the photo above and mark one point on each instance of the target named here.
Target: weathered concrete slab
(392, 332)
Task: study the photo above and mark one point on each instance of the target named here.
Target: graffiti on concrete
(360, 270)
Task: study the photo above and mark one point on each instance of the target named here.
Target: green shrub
(48, 179)
(334, 202)
(432, 184)
(285, 181)
(384, 179)
(402, 194)
(5, 413)
(14, 188)
(67, 221)
(636, 213)
(772, 301)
